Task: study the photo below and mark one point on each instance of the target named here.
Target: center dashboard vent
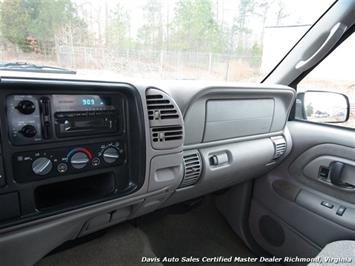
(280, 146)
(167, 133)
(165, 120)
(160, 108)
(192, 169)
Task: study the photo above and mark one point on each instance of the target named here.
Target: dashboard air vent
(165, 120)
(160, 108)
(192, 169)
(161, 134)
(280, 146)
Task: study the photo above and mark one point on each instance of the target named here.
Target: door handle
(335, 175)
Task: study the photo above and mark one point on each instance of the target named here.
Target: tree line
(194, 25)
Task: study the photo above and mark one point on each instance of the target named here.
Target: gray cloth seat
(336, 253)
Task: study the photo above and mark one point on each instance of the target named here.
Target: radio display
(81, 102)
(90, 101)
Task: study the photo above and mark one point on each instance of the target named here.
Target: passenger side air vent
(280, 146)
(192, 169)
(165, 120)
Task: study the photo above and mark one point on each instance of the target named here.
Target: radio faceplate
(41, 118)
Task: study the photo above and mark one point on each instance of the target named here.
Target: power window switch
(341, 210)
(327, 204)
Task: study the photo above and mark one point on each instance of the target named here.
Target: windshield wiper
(19, 66)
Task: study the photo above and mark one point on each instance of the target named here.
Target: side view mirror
(322, 107)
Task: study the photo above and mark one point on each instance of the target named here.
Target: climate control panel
(35, 165)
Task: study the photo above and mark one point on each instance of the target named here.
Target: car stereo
(36, 118)
(76, 115)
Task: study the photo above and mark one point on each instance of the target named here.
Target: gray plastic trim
(240, 167)
(318, 156)
(341, 12)
(235, 118)
(166, 171)
(313, 202)
(161, 129)
(296, 215)
(17, 246)
(295, 244)
(311, 169)
(195, 115)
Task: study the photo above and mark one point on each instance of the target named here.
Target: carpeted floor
(121, 245)
(172, 232)
(200, 232)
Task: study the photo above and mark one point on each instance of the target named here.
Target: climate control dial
(42, 166)
(110, 155)
(79, 160)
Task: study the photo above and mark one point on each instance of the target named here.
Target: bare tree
(281, 12)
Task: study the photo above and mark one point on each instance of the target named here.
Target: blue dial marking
(71, 152)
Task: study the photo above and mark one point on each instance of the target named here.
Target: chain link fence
(136, 62)
(161, 64)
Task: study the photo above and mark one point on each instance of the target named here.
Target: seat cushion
(336, 253)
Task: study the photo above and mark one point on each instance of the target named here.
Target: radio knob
(111, 155)
(26, 107)
(28, 131)
(42, 166)
(79, 160)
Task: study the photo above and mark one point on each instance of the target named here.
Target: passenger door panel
(295, 204)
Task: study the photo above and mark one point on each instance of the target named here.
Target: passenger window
(336, 74)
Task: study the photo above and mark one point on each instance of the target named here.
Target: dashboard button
(62, 168)
(95, 161)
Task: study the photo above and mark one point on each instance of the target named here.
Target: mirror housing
(322, 107)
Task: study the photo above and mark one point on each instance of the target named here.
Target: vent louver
(165, 120)
(192, 169)
(160, 108)
(167, 133)
(280, 146)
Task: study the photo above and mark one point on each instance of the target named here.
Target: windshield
(157, 39)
